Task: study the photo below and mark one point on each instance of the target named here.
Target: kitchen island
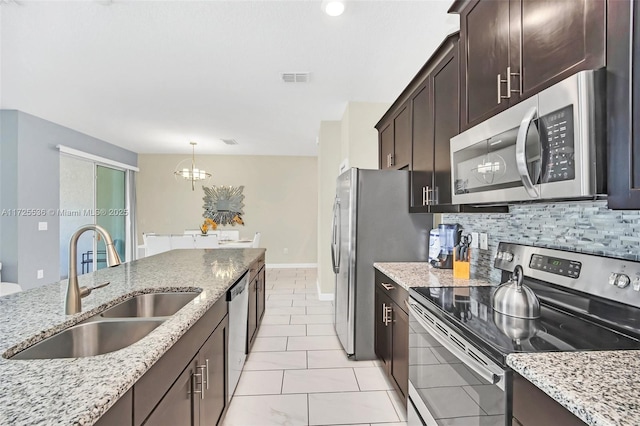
(80, 390)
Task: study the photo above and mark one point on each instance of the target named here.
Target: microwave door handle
(521, 155)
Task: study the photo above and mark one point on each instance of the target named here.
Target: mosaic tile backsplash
(587, 227)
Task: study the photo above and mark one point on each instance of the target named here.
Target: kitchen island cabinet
(257, 296)
(188, 384)
(513, 49)
(141, 378)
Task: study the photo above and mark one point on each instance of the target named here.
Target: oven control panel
(606, 277)
(556, 265)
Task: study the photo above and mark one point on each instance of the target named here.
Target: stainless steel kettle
(515, 299)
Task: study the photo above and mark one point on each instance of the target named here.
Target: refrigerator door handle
(335, 240)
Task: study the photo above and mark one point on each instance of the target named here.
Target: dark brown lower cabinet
(533, 407)
(400, 349)
(187, 386)
(382, 330)
(199, 395)
(252, 325)
(261, 294)
(257, 297)
(391, 332)
(120, 414)
(212, 356)
(176, 408)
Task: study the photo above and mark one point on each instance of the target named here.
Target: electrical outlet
(43, 226)
(285, 250)
(40, 274)
(484, 242)
(475, 240)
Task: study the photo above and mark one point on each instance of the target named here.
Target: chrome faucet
(75, 293)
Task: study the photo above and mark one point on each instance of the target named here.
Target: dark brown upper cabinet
(623, 105)
(513, 49)
(436, 119)
(395, 140)
(429, 108)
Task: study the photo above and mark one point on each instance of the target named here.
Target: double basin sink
(111, 330)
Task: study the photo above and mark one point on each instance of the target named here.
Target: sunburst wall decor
(224, 204)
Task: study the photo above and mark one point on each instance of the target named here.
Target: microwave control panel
(556, 134)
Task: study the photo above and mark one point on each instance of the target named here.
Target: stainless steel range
(459, 343)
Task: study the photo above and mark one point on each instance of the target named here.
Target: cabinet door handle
(384, 313)
(425, 195)
(194, 384)
(514, 74)
(508, 81)
(390, 160)
(204, 371)
(386, 286)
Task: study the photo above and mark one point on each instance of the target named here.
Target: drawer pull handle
(388, 287)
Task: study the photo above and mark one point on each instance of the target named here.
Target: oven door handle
(466, 359)
(521, 155)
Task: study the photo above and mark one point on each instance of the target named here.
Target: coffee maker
(449, 235)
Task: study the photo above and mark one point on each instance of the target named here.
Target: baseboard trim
(291, 265)
(324, 296)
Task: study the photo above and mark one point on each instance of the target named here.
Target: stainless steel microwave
(549, 146)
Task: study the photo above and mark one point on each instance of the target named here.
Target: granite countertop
(77, 391)
(422, 274)
(599, 387)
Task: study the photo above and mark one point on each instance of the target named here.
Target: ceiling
(151, 76)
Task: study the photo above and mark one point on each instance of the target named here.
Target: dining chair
(256, 240)
(182, 241)
(210, 241)
(157, 244)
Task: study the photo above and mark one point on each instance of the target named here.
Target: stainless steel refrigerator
(371, 223)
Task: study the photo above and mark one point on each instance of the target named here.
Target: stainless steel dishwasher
(238, 298)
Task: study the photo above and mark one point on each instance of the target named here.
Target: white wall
(281, 200)
(359, 136)
(354, 139)
(329, 157)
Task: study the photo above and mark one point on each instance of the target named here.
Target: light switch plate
(40, 274)
(484, 242)
(43, 226)
(475, 239)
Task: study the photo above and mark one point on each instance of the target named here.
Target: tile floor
(297, 372)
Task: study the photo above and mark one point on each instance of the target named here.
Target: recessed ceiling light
(333, 7)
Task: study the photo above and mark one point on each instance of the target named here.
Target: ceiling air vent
(295, 77)
(230, 141)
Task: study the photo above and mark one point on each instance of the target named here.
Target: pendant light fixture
(192, 173)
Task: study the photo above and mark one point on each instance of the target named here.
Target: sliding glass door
(93, 193)
(111, 210)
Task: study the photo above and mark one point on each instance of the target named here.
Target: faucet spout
(73, 303)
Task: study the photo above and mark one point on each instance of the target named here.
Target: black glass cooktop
(586, 325)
